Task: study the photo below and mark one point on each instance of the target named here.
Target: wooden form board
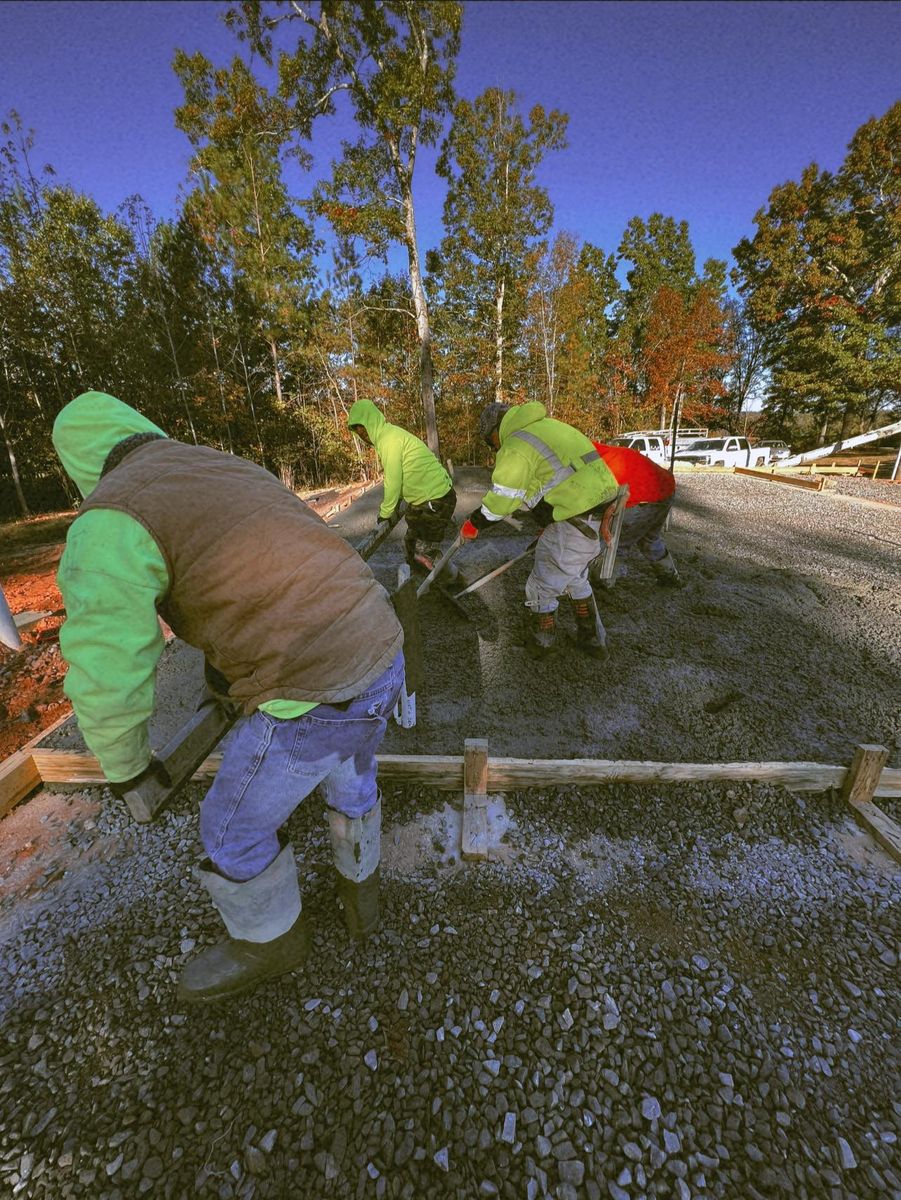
(810, 485)
(478, 775)
(445, 772)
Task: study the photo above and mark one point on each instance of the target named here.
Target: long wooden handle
(440, 565)
(483, 579)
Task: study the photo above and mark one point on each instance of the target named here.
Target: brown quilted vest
(278, 603)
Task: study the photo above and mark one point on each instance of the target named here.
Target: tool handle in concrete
(440, 565)
(483, 579)
(181, 757)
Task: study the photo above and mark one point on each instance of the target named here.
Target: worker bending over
(651, 493)
(555, 471)
(413, 474)
(293, 625)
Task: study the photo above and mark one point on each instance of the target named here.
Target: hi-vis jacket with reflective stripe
(541, 458)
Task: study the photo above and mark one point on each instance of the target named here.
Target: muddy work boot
(542, 632)
(590, 635)
(356, 846)
(268, 932)
(667, 575)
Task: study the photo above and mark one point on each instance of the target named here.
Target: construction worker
(651, 493)
(291, 622)
(555, 471)
(412, 474)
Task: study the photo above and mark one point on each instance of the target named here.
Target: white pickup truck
(652, 446)
(724, 452)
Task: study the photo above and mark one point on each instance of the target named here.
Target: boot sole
(201, 998)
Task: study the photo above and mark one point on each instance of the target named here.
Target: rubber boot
(356, 845)
(543, 631)
(268, 932)
(667, 575)
(590, 635)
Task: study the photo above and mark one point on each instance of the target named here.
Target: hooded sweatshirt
(114, 579)
(544, 459)
(411, 470)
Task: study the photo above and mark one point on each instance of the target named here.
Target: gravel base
(685, 993)
(678, 992)
(883, 490)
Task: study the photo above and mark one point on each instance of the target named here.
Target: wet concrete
(784, 645)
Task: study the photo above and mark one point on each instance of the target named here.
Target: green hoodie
(411, 470)
(112, 575)
(527, 466)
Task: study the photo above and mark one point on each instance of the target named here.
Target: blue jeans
(270, 765)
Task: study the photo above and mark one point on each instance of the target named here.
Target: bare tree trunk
(421, 308)
(17, 483)
(253, 411)
(228, 428)
(549, 339)
(499, 343)
(276, 373)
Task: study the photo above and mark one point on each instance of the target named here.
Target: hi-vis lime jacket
(544, 459)
(411, 470)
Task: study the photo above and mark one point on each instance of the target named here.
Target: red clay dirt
(31, 678)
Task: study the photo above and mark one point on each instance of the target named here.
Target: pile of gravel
(682, 993)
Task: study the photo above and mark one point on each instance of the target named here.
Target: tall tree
(396, 62)
(684, 354)
(661, 255)
(494, 215)
(822, 278)
(241, 202)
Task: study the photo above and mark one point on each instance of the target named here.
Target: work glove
(384, 522)
(154, 770)
(606, 530)
(473, 525)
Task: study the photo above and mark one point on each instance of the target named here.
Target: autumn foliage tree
(684, 355)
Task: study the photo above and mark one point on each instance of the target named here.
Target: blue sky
(693, 109)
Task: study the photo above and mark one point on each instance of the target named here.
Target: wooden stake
(864, 774)
(474, 841)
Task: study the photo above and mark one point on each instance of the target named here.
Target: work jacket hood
(88, 428)
(370, 416)
(520, 416)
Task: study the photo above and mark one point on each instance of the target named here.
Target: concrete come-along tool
(181, 757)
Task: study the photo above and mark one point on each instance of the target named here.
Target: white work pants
(562, 557)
